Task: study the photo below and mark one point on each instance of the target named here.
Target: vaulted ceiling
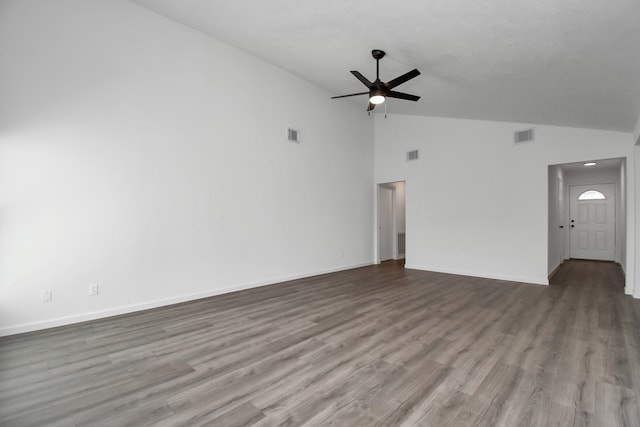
(569, 63)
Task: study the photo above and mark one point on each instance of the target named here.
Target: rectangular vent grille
(293, 135)
(401, 243)
(523, 136)
(412, 155)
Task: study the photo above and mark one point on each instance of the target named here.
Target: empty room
(330, 213)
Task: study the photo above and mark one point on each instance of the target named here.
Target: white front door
(592, 222)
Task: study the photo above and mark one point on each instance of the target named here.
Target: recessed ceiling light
(590, 164)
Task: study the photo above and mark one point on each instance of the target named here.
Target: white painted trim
(555, 270)
(526, 280)
(77, 318)
(627, 289)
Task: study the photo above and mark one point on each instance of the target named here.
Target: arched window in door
(591, 195)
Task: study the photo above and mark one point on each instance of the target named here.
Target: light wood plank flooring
(372, 346)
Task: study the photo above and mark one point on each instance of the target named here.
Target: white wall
(399, 203)
(633, 261)
(622, 218)
(556, 235)
(148, 158)
(477, 203)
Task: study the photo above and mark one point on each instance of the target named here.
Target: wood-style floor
(372, 346)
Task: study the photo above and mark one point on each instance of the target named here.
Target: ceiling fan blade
(351, 94)
(400, 95)
(403, 78)
(362, 78)
(371, 107)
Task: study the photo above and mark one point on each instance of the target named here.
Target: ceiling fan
(379, 90)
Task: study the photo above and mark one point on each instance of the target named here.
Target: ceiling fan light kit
(379, 91)
(377, 98)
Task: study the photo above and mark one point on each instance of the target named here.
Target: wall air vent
(412, 155)
(523, 136)
(293, 135)
(401, 243)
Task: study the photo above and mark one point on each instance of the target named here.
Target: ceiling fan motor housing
(378, 88)
(377, 53)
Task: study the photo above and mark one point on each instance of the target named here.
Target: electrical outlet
(93, 289)
(45, 296)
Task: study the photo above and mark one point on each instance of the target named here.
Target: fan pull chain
(385, 110)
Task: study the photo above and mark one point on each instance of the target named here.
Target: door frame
(384, 246)
(376, 235)
(612, 199)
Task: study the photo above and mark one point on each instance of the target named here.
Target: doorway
(587, 216)
(391, 223)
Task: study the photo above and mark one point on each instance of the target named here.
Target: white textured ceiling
(558, 62)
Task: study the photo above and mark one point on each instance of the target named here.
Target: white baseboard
(519, 279)
(555, 270)
(101, 314)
